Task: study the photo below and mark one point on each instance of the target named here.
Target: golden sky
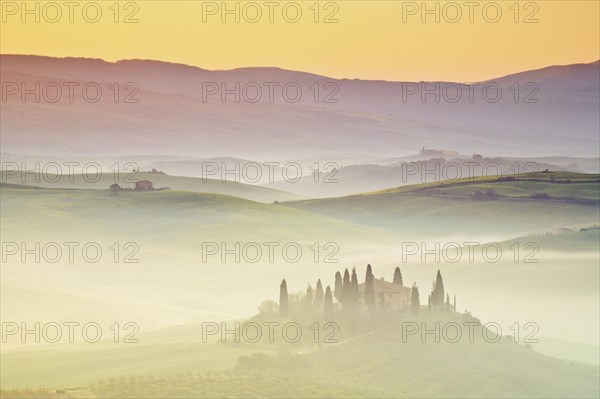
(370, 40)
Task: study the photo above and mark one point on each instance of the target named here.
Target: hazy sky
(371, 39)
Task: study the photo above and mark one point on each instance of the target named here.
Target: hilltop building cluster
(373, 295)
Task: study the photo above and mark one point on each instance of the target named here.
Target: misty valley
(327, 199)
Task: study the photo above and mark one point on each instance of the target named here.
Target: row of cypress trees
(346, 293)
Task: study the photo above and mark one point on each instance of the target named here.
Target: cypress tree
(328, 305)
(346, 291)
(309, 295)
(437, 295)
(415, 305)
(319, 293)
(346, 279)
(337, 292)
(398, 276)
(447, 302)
(429, 304)
(370, 290)
(454, 305)
(355, 293)
(283, 299)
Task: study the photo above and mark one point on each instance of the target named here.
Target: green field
(385, 362)
(170, 290)
(449, 208)
(558, 185)
(159, 180)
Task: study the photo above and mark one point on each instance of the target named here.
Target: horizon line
(597, 61)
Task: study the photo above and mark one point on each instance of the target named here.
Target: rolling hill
(383, 174)
(127, 180)
(172, 285)
(383, 363)
(178, 270)
(173, 114)
(531, 203)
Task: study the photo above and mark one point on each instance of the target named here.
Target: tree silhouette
(328, 304)
(309, 295)
(369, 290)
(337, 292)
(346, 291)
(437, 295)
(398, 276)
(415, 305)
(355, 293)
(284, 306)
(319, 293)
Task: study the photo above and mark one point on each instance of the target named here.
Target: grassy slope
(23, 206)
(556, 184)
(439, 208)
(172, 350)
(125, 180)
(170, 284)
(170, 226)
(393, 368)
(378, 364)
(585, 240)
(185, 216)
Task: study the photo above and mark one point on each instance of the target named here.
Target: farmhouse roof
(380, 285)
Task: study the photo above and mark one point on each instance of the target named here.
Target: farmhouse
(437, 153)
(396, 296)
(560, 230)
(144, 185)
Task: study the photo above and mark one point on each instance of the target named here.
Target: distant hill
(576, 239)
(374, 118)
(547, 185)
(353, 179)
(159, 180)
(537, 203)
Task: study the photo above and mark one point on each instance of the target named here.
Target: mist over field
(171, 231)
